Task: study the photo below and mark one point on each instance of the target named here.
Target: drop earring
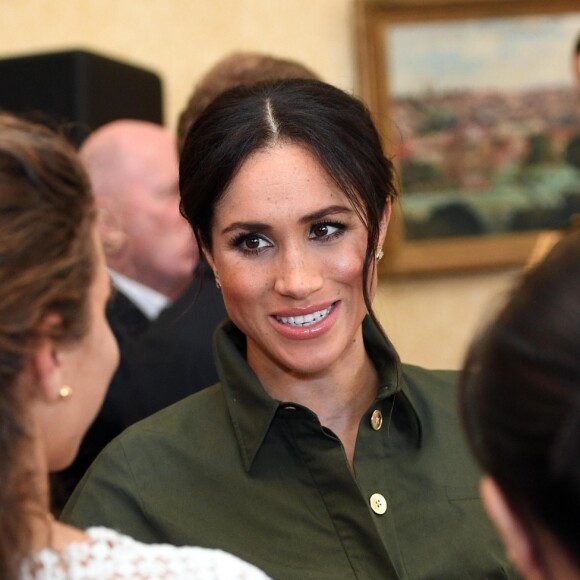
(217, 280)
(65, 392)
(379, 255)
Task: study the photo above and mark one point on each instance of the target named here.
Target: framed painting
(479, 107)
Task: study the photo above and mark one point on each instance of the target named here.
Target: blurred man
(149, 247)
(151, 255)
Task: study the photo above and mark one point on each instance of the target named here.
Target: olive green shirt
(231, 468)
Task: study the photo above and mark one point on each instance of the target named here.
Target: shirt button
(378, 504)
(376, 420)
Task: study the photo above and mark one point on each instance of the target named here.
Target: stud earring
(65, 392)
(379, 255)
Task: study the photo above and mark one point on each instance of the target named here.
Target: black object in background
(79, 90)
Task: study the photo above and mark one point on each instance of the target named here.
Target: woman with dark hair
(520, 401)
(57, 355)
(318, 455)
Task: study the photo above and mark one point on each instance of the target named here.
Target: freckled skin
(276, 188)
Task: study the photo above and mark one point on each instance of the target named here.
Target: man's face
(162, 247)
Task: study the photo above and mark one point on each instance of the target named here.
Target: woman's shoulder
(205, 405)
(108, 554)
(433, 396)
(438, 381)
(430, 388)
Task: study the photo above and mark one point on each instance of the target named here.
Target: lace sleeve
(111, 556)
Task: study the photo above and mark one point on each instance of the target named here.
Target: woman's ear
(209, 258)
(212, 265)
(46, 363)
(517, 541)
(384, 223)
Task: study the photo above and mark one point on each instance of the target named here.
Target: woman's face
(289, 251)
(87, 367)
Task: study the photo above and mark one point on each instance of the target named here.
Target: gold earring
(217, 280)
(65, 392)
(379, 255)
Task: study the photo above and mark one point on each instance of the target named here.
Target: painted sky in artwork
(494, 53)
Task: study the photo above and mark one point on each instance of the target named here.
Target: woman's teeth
(307, 319)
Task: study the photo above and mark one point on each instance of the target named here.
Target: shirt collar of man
(148, 300)
(252, 410)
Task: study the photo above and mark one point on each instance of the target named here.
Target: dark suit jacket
(174, 357)
(161, 362)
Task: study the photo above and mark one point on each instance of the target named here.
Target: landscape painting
(484, 123)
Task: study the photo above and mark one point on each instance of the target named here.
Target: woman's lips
(302, 324)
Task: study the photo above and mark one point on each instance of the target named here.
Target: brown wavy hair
(47, 264)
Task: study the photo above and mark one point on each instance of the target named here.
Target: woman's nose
(298, 274)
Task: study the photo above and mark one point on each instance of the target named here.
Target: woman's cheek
(348, 265)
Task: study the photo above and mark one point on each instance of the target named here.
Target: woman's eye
(326, 231)
(251, 243)
(320, 230)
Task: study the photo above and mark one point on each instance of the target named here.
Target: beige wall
(429, 320)
(180, 39)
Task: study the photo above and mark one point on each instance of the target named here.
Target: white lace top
(108, 555)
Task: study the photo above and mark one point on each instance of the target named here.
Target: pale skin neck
(546, 559)
(339, 396)
(533, 549)
(45, 531)
(560, 564)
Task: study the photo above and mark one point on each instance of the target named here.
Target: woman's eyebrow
(314, 216)
(247, 226)
(327, 211)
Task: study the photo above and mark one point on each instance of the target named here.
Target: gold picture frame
(377, 22)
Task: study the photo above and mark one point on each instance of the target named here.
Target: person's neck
(45, 531)
(37, 509)
(339, 395)
(37, 514)
(555, 562)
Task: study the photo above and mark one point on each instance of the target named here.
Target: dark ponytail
(520, 396)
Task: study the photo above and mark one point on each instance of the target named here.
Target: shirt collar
(391, 379)
(149, 301)
(252, 410)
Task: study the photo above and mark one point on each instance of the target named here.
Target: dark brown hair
(238, 68)
(520, 396)
(333, 125)
(46, 266)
